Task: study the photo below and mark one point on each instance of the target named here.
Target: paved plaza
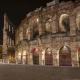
(28, 72)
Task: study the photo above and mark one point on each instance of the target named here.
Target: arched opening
(64, 23)
(35, 55)
(48, 57)
(11, 54)
(65, 56)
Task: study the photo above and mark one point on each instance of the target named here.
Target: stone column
(74, 56)
(5, 40)
(40, 29)
(16, 57)
(30, 59)
(40, 58)
(43, 57)
(55, 58)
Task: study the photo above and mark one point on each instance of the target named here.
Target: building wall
(44, 29)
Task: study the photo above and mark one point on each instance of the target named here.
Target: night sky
(17, 9)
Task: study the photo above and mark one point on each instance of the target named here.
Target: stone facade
(50, 36)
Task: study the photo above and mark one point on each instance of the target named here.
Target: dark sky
(17, 9)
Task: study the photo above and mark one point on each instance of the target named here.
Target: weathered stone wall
(51, 33)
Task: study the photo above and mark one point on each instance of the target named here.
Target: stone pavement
(27, 72)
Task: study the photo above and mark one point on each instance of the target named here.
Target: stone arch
(22, 53)
(48, 57)
(64, 23)
(65, 56)
(35, 56)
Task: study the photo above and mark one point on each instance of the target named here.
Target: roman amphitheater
(50, 36)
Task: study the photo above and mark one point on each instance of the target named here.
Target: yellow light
(19, 54)
(43, 54)
(24, 52)
(24, 57)
(37, 20)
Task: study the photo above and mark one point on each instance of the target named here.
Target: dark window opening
(35, 59)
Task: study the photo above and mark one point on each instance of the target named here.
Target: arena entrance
(48, 57)
(35, 55)
(65, 56)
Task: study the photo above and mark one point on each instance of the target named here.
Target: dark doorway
(35, 59)
(65, 56)
(48, 58)
(35, 56)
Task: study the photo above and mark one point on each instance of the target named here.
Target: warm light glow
(43, 55)
(24, 52)
(19, 54)
(19, 57)
(37, 19)
(49, 51)
(57, 56)
(36, 49)
(24, 57)
(62, 17)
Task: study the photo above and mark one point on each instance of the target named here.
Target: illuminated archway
(48, 57)
(65, 56)
(64, 23)
(11, 54)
